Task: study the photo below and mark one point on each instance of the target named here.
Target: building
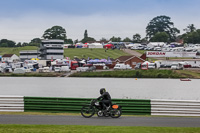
(28, 54)
(10, 58)
(130, 60)
(51, 49)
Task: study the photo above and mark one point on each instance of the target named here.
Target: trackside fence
(175, 107)
(11, 103)
(74, 105)
(51, 104)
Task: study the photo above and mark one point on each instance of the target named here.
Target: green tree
(160, 37)
(190, 28)
(76, 41)
(115, 39)
(35, 42)
(86, 38)
(24, 44)
(103, 39)
(144, 40)
(137, 38)
(161, 24)
(19, 44)
(3, 45)
(68, 41)
(56, 32)
(192, 37)
(127, 40)
(7, 43)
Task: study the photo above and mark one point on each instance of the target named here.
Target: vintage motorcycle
(88, 111)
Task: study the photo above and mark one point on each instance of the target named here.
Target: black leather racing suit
(105, 100)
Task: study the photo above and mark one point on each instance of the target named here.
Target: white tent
(156, 44)
(95, 45)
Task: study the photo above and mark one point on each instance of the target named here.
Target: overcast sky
(23, 20)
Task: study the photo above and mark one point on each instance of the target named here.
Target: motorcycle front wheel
(115, 113)
(87, 111)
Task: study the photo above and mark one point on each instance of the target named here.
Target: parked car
(82, 69)
(157, 49)
(90, 69)
(151, 65)
(138, 66)
(140, 47)
(57, 69)
(177, 66)
(122, 67)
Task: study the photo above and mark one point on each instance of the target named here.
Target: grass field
(15, 50)
(92, 129)
(93, 53)
(72, 52)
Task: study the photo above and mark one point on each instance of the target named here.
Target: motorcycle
(88, 111)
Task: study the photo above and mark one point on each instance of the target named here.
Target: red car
(107, 46)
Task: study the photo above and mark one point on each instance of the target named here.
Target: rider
(105, 99)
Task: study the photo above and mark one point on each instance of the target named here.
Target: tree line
(159, 29)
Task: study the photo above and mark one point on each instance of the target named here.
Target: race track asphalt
(101, 121)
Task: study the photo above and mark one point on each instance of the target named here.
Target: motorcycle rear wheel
(115, 113)
(87, 111)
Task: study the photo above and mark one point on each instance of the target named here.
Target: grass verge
(139, 74)
(92, 129)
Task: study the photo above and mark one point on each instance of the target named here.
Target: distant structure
(28, 54)
(10, 58)
(51, 49)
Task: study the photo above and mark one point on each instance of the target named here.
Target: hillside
(93, 53)
(15, 50)
(77, 52)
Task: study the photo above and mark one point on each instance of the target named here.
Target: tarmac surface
(101, 121)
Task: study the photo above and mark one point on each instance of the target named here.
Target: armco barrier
(51, 104)
(129, 106)
(175, 107)
(12, 103)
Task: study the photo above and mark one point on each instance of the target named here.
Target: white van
(65, 69)
(122, 67)
(57, 69)
(177, 66)
(151, 65)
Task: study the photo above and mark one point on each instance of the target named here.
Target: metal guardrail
(129, 106)
(11, 104)
(50, 104)
(175, 107)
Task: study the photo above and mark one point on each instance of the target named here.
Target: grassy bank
(15, 50)
(140, 74)
(92, 129)
(93, 53)
(117, 74)
(72, 52)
